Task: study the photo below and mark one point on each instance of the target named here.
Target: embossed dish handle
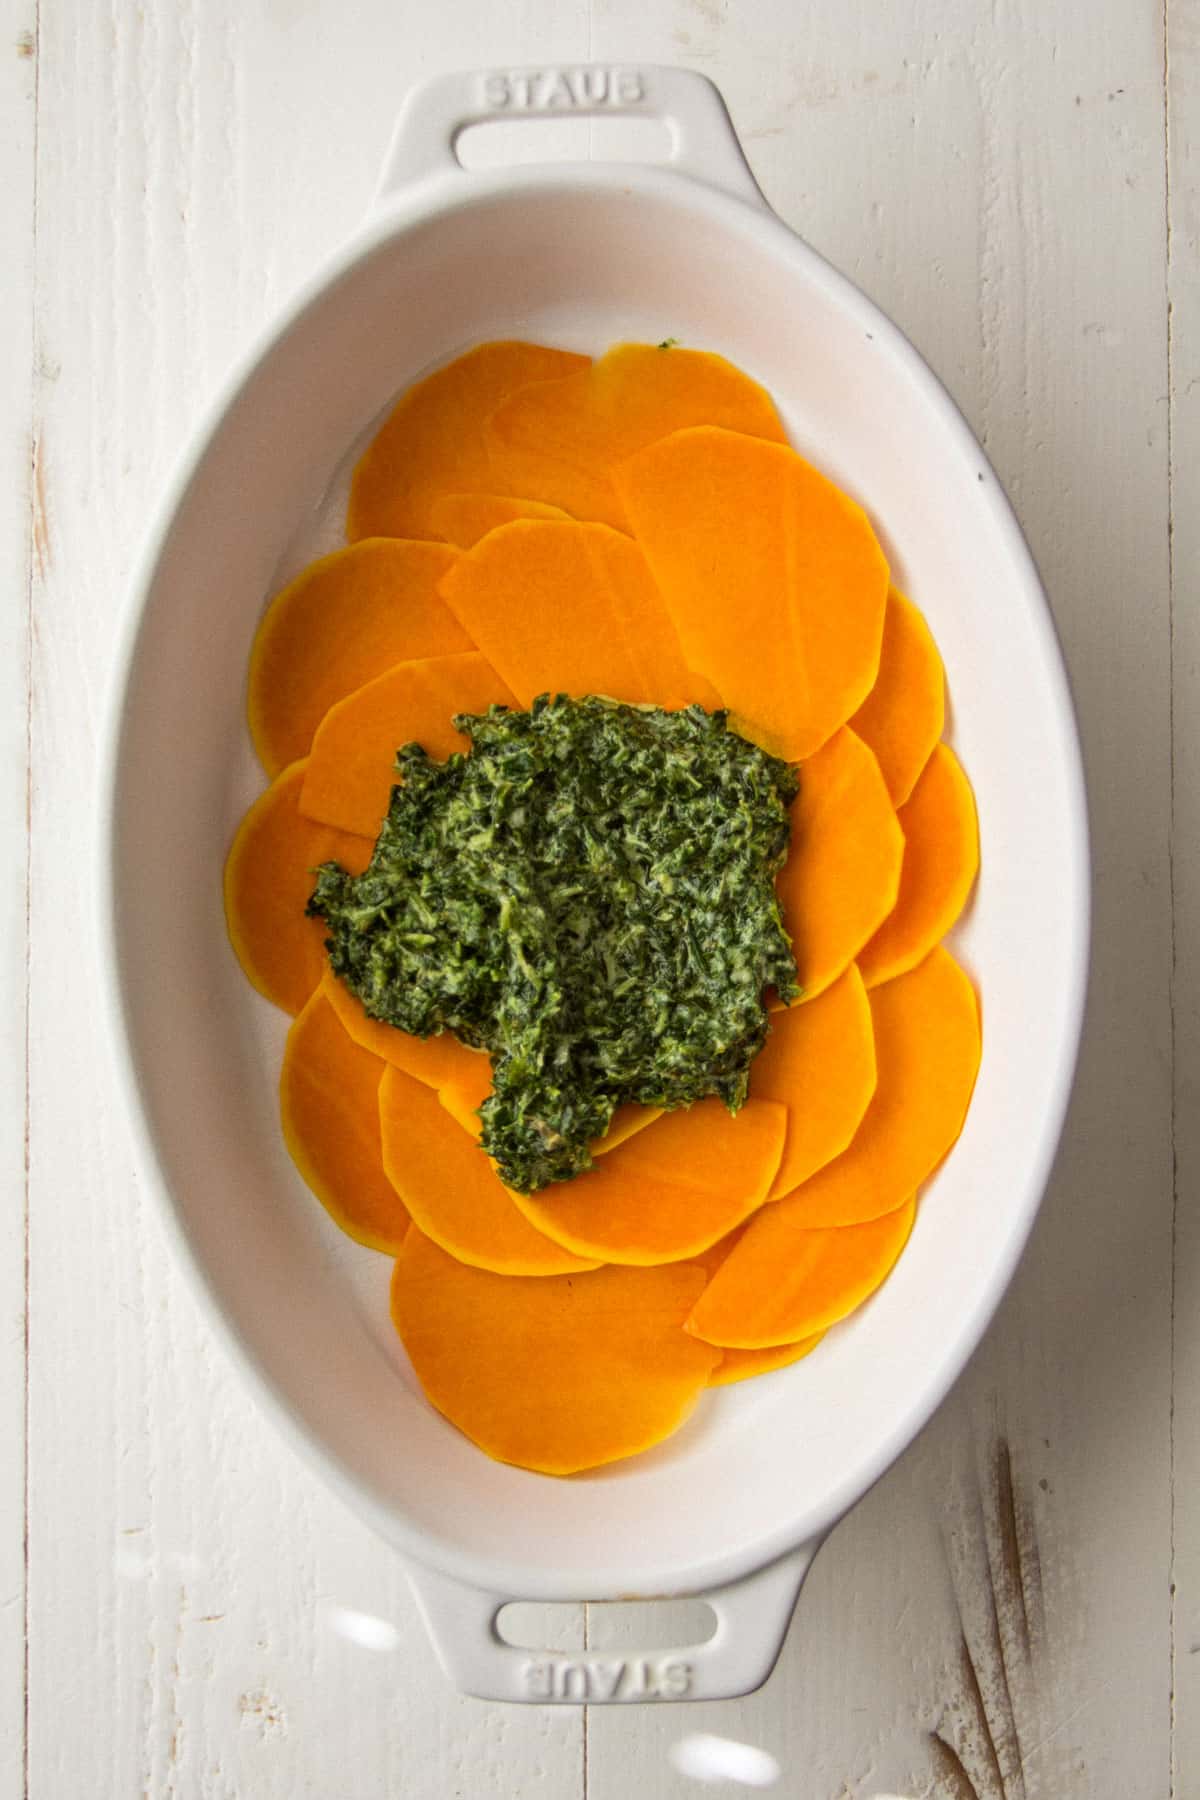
(752, 1620)
(704, 144)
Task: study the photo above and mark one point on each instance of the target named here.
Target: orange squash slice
(432, 442)
(711, 1259)
(329, 1106)
(741, 1365)
(901, 718)
(785, 1283)
(561, 440)
(927, 1048)
(452, 1192)
(941, 857)
(842, 876)
(351, 771)
(671, 1191)
(344, 620)
(558, 1374)
(463, 519)
(560, 607)
(269, 875)
(819, 1061)
(437, 1061)
(772, 575)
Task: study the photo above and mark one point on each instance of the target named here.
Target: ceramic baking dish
(582, 255)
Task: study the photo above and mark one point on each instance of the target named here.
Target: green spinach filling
(589, 896)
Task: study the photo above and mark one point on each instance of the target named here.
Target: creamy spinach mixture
(588, 895)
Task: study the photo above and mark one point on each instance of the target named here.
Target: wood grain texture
(1183, 87)
(18, 487)
(995, 1619)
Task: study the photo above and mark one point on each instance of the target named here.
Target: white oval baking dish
(734, 1507)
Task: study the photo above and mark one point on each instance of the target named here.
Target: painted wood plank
(18, 547)
(992, 1620)
(1183, 75)
(204, 1619)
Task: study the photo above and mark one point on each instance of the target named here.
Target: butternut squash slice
(626, 1122)
(461, 1077)
(842, 876)
(711, 1259)
(437, 1061)
(344, 620)
(556, 1375)
(772, 575)
(432, 442)
(784, 1283)
(560, 607)
(741, 1365)
(927, 1049)
(269, 875)
(329, 1106)
(351, 771)
(451, 1190)
(561, 440)
(464, 1092)
(669, 1192)
(463, 519)
(902, 717)
(706, 1147)
(819, 1062)
(941, 857)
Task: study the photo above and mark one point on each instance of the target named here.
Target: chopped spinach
(588, 895)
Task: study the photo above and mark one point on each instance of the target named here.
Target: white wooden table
(1015, 1611)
